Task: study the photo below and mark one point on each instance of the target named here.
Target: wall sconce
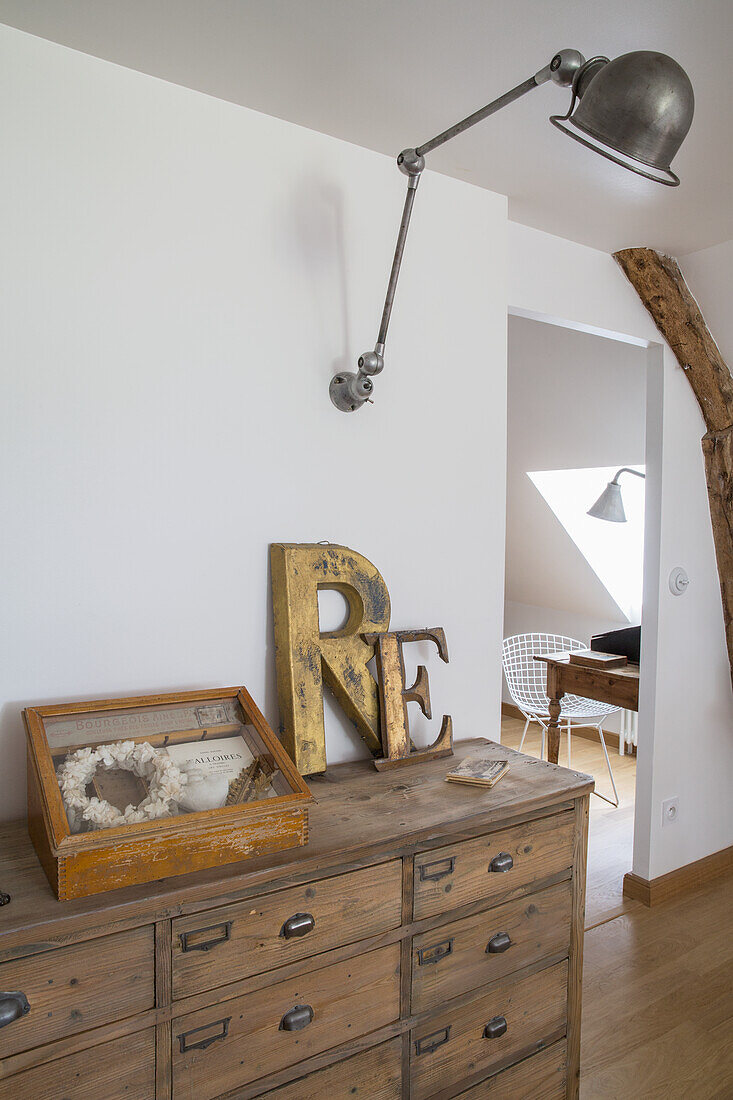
(609, 505)
(635, 111)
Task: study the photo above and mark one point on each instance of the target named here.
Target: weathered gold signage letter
(305, 657)
(394, 695)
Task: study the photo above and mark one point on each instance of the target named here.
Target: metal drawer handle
(206, 945)
(434, 953)
(202, 1044)
(300, 924)
(498, 943)
(298, 1018)
(12, 1007)
(502, 862)
(439, 868)
(428, 1043)
(495, 1027)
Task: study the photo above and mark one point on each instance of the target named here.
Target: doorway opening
(577, 413)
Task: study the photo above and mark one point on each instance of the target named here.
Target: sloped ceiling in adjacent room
(575, 401)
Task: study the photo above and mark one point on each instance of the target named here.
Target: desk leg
(554, 695)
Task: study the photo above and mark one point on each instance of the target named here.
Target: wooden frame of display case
(92, 862)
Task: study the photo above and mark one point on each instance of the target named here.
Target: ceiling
(386, 74)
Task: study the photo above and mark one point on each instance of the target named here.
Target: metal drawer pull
(298, 1018)
(498, 943)
(495, 1027)
(12, 1007)
(428, 1043)
(439, 868)
(202, 1044)
(206, 945)
(433, 954)
(300, 924)
(502, 862)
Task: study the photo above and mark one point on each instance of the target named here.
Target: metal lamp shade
(635, 110)
(609, 505)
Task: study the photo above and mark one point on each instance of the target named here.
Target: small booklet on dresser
(479, 771)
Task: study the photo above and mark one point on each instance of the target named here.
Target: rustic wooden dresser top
(360, 817)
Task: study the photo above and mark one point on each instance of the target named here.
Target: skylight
(614, 551)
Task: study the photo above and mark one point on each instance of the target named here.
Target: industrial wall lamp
(635, 111)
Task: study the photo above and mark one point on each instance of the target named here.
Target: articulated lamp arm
(625, 470)
(350, 390)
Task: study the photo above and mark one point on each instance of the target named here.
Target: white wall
(686, 715)
(180, 279)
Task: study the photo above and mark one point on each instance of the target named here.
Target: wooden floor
(658, 983)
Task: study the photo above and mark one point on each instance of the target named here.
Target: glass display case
(158, 773)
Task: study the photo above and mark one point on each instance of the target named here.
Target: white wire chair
(527, 683)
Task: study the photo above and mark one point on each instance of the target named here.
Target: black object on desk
(625, 642)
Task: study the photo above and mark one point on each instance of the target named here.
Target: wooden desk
(617, 686)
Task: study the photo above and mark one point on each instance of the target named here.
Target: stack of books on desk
(589, 658)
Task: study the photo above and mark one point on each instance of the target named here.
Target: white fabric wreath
(164, 779)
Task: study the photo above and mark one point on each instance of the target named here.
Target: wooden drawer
(244, 1038)
(454, 1045)
(251, 937)
(469, 953)
(541, 1077)
(374, 1074)
(79, 987)
(121, 1070)
(471, 870)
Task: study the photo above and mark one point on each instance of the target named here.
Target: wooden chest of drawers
(427, 944)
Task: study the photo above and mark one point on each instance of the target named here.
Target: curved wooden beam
(660, 284)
